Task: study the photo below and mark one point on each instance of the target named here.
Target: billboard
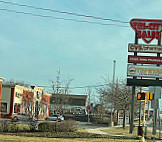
(141, 48)
(144, 71)
(147, 29)
(144, 59)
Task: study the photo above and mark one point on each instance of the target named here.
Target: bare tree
(119, 95)
(13, 82)
(59, 89)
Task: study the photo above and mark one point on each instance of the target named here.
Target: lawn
(80, 135)
(121, 131)
(4, 138)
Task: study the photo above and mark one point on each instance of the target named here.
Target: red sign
(147, 29)
(144, 59)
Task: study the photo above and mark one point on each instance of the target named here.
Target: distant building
(1, 81)
(18, 99)
(72, 104)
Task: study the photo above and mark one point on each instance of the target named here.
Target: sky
(34, 48)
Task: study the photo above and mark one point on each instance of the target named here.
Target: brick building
(18, 99)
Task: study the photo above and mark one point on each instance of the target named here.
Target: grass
(121, 131)
(87, 137)
(3, 138)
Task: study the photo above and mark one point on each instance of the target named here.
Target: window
(24, 106)
(17, 108)
(44, 109)
(16, 94)
(37, 95)
(27, 107)
(3, 107)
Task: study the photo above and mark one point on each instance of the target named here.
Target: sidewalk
(101, 130)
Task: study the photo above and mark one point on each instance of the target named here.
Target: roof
(74, 100)
(1, 78)
(71, 95)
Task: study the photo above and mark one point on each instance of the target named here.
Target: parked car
(55, 118)
(22, 117)
(60, 118)
(52, 118)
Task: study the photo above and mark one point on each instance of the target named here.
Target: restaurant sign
(144, 71)
(141, 48)
(144, 59)
(147, 29)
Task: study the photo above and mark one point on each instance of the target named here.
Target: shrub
(13, 128)
(100, 119)
(64, 126)
(44, 127)
(33, 126)
(4, 127)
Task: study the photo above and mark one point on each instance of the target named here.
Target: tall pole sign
(142, 75)
(144, 70)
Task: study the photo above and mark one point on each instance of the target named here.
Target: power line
(65, 12)
(59, 18)
(79, 87)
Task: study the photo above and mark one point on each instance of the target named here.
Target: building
(68, 103)
(18, 99)
(1, 81)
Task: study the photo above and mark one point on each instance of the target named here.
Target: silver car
(21, 117)
(55, 118)
(52, 118)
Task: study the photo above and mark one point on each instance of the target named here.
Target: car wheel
(47, 119)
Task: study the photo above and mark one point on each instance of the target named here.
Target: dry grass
(4, 138)
(121, 131)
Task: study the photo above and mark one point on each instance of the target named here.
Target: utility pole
(114, 65)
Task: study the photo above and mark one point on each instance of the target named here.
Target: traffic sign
(141, 96)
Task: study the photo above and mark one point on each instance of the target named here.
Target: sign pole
(159, 125)
(154, 130)
(143, 132)
(133, 94)
(159, 43)
(155, 109)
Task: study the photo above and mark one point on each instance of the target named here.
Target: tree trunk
(124, 118)
(129, 118)
(117, 117)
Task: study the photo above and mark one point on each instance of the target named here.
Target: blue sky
(33, 49)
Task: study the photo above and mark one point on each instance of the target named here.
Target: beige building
(18, 99)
